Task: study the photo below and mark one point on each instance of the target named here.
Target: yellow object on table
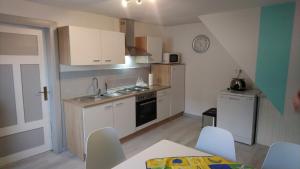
(212, 162)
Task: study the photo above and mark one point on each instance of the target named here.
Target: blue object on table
(219, 166)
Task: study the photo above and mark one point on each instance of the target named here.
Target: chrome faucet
(105, 87)
(95, 83)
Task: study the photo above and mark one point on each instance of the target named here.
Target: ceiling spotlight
(125, 3)
(139, 2)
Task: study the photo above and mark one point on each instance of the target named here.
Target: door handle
(107, 60)
(45, 93)
(148, 103)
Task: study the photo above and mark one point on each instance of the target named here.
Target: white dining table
(163, 148)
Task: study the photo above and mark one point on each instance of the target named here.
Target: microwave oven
(171, 58)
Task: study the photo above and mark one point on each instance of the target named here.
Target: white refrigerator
(236, 112)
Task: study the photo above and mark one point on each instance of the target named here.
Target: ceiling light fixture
(126, 2)
(139, 2)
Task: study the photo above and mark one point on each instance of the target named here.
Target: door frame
(52, 61)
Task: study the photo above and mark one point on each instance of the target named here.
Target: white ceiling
(163, 12)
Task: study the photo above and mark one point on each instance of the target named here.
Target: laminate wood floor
(184, 130)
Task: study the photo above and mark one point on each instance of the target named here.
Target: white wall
(238, 32)
(233, 31)
(206, 74)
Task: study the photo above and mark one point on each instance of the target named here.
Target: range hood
(127, 27)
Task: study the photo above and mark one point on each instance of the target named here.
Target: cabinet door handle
(96, 60)
(233, 98)
(108, 107)
(119, 104)
(107, 60)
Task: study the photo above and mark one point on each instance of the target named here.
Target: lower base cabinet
(81, 122)
(124, 116)
(97, 117)
(163, 104)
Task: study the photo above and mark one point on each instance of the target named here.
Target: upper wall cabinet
(85, 46)
(113, 47)
(152, 45)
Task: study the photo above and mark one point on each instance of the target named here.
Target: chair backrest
(217, 141)
(104, 150)
(283, 156)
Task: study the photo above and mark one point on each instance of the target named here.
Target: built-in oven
(145, 108)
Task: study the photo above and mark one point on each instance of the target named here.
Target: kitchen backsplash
(79, 83)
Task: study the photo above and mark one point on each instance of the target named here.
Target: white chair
(283, 156)
(217, 141)
(104, 150)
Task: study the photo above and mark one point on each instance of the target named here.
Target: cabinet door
(124, 116)
(113, 47)
(177, 89)
(154, 46)
(84, 46)
(97, 117)
(163, 104)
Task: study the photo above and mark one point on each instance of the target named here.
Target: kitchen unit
(134, 109)
(237, 114)
(163, 104)
(151, 45)
(87, 46)
(171, 75)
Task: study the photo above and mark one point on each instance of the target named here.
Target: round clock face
(201, 43)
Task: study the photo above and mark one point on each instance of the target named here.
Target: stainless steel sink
(100, 97)
(90, 98)
(114, 94)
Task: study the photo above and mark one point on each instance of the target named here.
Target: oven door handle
(153, 101)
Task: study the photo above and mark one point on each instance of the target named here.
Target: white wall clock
(201, 43)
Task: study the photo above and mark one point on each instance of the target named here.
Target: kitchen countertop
(84, 103)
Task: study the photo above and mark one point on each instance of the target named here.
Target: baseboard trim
(192, 116)
(153, 126)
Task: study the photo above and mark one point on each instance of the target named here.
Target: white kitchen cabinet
(86, 46)
(177, 89)
(152, 45)
(80, 122)
(163, 104)
(113, 47)
(79, 46)
(97, 117)
(124, 116)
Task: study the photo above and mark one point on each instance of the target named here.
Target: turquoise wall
(276, 29)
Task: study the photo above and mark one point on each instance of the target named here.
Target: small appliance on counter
(171, 58)
(238, 84)
(140, 82)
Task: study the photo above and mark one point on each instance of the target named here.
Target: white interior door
(24, 111)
